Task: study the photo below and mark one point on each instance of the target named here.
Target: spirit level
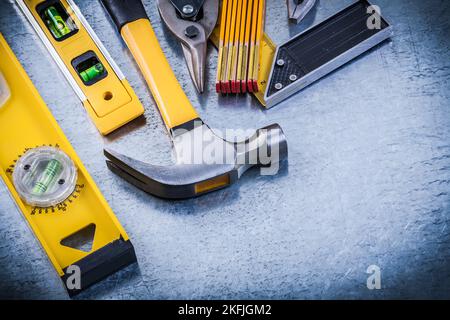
(88, 67)
(31, 141)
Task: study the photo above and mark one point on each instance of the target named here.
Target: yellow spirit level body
(110, 101)
(26, 123)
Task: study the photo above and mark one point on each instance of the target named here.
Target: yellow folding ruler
(29, 136)
(268, 49)
(90, 70)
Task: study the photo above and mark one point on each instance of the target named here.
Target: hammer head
(205, 162)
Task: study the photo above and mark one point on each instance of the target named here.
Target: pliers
(192, 22)
(298, 9)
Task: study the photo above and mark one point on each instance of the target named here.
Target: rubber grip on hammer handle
(137, 32)
(124, 11)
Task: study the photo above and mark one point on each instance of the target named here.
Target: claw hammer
(205, 161)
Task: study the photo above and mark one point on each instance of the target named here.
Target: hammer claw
(178, 181)
(205, 161)
(126, 176)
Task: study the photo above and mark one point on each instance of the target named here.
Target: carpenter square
(323, 48)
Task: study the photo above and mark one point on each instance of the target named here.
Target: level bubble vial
(89, 68)
(44, 176)
(57, 20)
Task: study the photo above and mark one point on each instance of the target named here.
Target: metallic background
(367, 181)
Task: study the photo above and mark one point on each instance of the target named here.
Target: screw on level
(278, 86)
(188, 9)
(26, 167)
(191, 32)
(280, 62)
(293, 77)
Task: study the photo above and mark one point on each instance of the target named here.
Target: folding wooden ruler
(86, 64)
(267, 53)
(28, 135)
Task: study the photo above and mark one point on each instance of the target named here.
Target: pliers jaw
(298, 9)
(189, 9)
(192, 22)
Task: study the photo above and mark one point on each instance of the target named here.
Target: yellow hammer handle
(173, 104)
(137, 32)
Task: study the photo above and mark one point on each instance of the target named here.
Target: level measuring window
(57, 20)
(89, 68)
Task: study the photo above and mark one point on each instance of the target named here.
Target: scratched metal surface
(367, 181)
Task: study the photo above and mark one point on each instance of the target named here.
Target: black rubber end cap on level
(100, 264)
